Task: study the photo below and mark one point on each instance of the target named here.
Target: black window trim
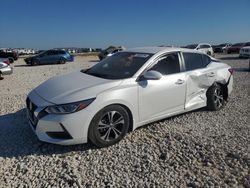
(203, 62)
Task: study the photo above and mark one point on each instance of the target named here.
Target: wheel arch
(223, 86)
(131, 121)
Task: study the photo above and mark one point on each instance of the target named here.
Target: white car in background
(203, 47)
(245, 52)
(125, 91)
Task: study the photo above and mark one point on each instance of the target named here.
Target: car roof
(156, 49)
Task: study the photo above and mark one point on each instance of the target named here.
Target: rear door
(159, 98)
(46, 57)
(199, 77)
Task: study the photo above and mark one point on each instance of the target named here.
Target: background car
(221, 47)
(50, 57)
(12, 56)
(235, 48)
(5, 68)
(109, 52)
(245, 52)
(203, 47)
(125, 91)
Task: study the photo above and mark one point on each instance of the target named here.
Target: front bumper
(66, 129)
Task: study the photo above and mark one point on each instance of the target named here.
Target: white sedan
(203, 47)
(125, 91)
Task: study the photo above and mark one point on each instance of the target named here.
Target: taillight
(231, 71)
(6, 61)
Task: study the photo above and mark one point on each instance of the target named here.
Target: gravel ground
(197, 149)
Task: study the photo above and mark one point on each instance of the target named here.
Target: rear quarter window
(193, 61)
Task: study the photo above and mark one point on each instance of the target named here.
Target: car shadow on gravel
(22, 66)
(242, 69)
(18, 140)
(229, 58)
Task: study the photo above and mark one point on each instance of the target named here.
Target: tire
(215, 98)
(11, 59)
(103, 131)
(34, 62)
(62, 61)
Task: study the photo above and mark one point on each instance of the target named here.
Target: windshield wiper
(95, 74)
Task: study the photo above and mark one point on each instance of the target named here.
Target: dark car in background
(235, 48)
(12, 56)
(221, 47)
(109, 52)
(50, 57)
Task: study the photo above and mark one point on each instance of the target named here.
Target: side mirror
(152, 75)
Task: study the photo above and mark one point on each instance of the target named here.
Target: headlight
(68, 108)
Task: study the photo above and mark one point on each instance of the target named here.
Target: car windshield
(41, 53)
(191, 46)
(222, 45)
(119, 66)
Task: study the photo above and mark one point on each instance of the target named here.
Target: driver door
(158, 98)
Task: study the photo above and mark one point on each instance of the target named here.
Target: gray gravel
(197, 149)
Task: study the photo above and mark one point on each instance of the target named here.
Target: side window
(247, 44)
(204, 46)
(206, 60)
(193, 61)
(168, 64)
(61, 52)
(115, 51)
(50, 52)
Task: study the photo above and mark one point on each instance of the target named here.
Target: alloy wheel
(218, 98)
(111, 126)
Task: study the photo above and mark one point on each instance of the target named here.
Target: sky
(44, 24)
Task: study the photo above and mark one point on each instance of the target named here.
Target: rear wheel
(11, 59)
(215, 98)
(109, 126)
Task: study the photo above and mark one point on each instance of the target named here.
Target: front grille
(31, 107)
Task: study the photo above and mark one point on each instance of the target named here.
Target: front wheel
(109, 126)
(62, 61)
(35, 62)
(215, 98)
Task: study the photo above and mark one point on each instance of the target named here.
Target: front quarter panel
(125, 94)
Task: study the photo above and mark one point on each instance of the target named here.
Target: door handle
(211, 74)
(179, 81)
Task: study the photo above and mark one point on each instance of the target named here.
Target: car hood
(73, 87)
